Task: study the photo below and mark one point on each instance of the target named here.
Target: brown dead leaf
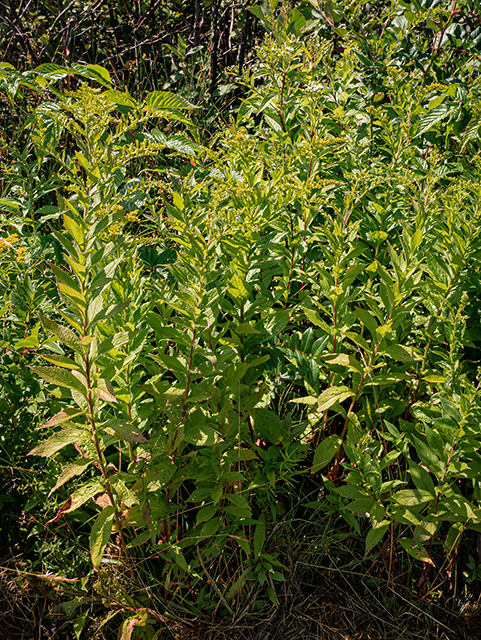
(103, 501)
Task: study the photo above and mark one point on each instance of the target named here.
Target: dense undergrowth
(223, 366)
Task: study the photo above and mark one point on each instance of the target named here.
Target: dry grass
(331, 607)
(29, 604)
(332, 613)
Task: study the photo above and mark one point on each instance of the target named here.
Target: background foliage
(228, 361)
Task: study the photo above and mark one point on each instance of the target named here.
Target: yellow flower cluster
(116, 228)
(21, 255)
(9, 243)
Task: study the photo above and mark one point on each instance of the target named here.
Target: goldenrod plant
(275, 332)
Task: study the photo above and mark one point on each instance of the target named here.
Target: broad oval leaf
(325, 452)
(413, 497)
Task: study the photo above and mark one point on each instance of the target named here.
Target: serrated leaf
(70, 471)
(471, 130)
(58, 441)
(120, 97)
(163, 100)
(114, 342)
(314, 317)
(64, 334)
(432, 118)
(60, 377)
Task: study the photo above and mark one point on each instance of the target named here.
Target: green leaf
(368, 321)
(74, 229)
(238, 500)
(430, 454)
(432, 118)
(276, 321)
(61, 361)
(332, 396)
(453, 537)
(325, 452)
(206, 513)
(413, 497)
(63, 416)
(171, 363)
(109, 312)
(402, 353)
(79, 623)
(425, 531)
(100, 534)
(239, 289)
(93, 72)
(124, 431)
(58, 441)
(434, 379)
(421, 477)
(259, 536)
(361, 505)
(120, 97)
(314, 317)
(375, 535)
(60, 377)
(238, 512)
(217, 493)
(114, 342)
(70, 471)
(350, 491)
(104, 390)
(165, 101)
(268, 425)
(419, 553)
(471, 130)
(64, 334)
